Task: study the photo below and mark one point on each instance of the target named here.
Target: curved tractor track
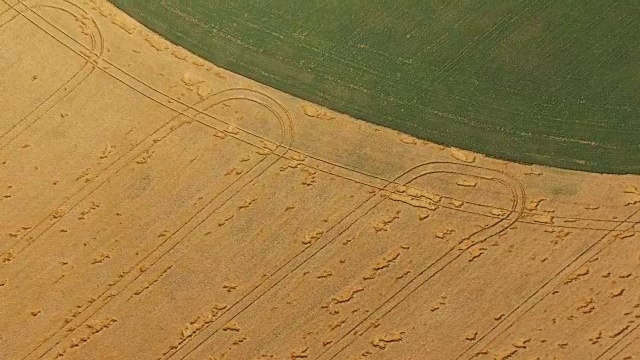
(156, 206)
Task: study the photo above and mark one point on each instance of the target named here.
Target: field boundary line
(108, 70)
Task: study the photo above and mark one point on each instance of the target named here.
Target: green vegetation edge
(538, 82)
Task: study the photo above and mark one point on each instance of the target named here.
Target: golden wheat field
(155, 206)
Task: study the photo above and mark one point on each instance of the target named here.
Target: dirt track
(154, 206)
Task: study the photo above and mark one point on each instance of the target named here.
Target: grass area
(546, 82)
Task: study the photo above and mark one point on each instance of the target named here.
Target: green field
(545, 82)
